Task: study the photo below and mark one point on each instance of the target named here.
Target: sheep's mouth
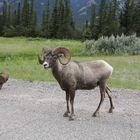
(46, 67)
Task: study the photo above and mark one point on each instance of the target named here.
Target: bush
(90, 47)
(10, 31)
(19, 30)
(113, 45)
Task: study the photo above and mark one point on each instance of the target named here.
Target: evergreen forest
(109, 18)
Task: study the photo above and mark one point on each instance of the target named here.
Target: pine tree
(5, 13)
(61, 25)
(32, 20)
(102, 15)
(93, 21)
(25, 14)
(6, 19)
(68, 20)
(53, 28)
(14, 18)
(137, 23)
(46, 19)
(32, 15)
(19, 14)
(1, 25)
(67, 12)
(128, 17)
(112, 23)
(86, 31)
(43, 21)
(8, 15)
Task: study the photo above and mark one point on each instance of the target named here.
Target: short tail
(108, 89)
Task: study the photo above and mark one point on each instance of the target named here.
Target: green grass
(18, 58)
(26, 47)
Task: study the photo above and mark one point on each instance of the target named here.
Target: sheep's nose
(46, 65)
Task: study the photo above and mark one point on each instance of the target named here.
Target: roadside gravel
(34, 111)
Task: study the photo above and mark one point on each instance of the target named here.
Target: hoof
(110, 110)
(66, 114)
(94, 115)
(71, 117)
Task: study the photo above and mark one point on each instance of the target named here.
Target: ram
(72, 75)
(3, 78)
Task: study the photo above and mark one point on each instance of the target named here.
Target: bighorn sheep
(72, 75)
(3, 78)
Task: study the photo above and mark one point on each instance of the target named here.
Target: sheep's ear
(46, 50)
(43, 50)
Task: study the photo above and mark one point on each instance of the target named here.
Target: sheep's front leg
(72, 95)
(66, 114)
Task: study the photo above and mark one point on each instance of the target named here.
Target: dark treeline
(20, 22)
(57, 22)
(112, 18)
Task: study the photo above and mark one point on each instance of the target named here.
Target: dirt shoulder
(34, 111)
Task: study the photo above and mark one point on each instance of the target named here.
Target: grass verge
(18, 57)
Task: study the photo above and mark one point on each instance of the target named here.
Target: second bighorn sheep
(3, 79)
(72, 75)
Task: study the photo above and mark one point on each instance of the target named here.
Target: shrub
(19, 30)
(10, 31)
(89, 47)
(113, 45)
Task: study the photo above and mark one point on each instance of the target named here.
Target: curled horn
(66, 54)
(40, 59)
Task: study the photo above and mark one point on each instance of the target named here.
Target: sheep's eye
(54, 57)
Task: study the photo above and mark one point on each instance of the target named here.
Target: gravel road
(34, 111)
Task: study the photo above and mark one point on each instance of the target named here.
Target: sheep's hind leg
(67, 113)
(72, 95)
(102, 93)
(110, 99)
